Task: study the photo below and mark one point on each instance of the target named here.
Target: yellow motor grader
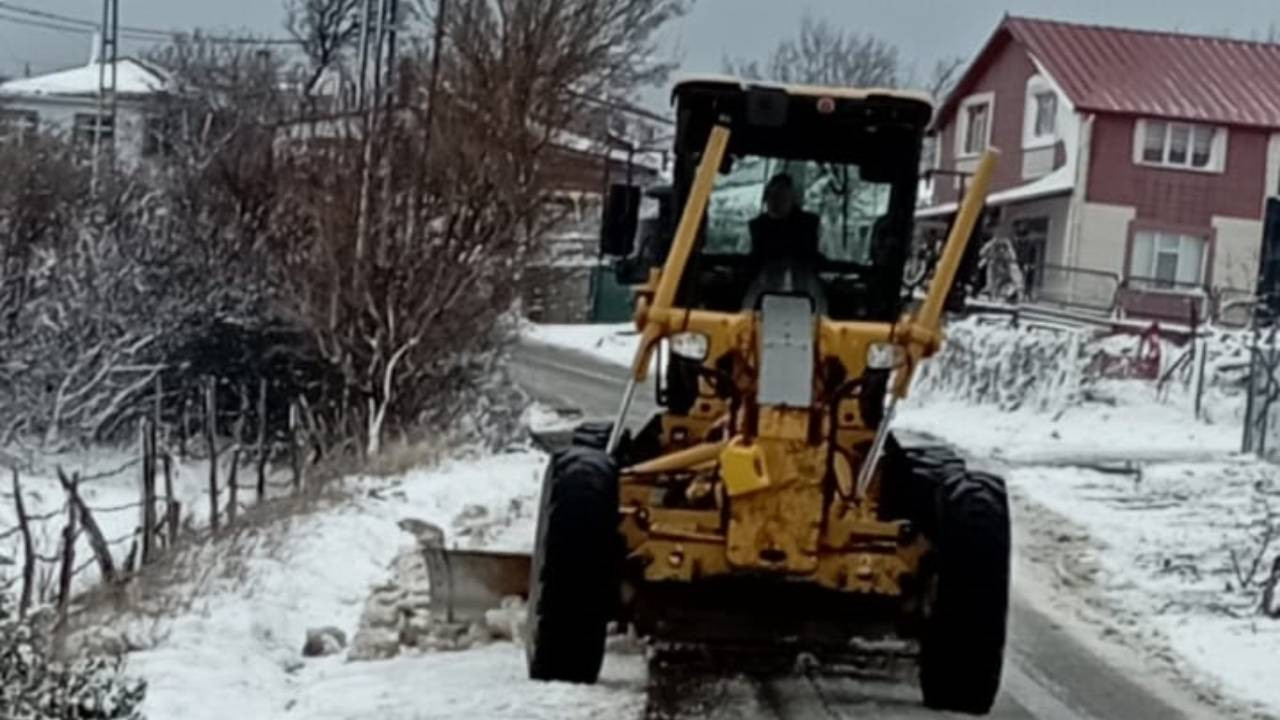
(767, 504)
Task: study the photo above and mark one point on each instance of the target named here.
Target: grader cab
(768, 505)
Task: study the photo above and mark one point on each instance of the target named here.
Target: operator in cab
(784, 247)
(783, 230)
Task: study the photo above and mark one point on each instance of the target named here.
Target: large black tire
(573, 584)
(962, 647)
(914, 476)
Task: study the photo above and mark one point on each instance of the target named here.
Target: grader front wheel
(573, 583)
(962, 649)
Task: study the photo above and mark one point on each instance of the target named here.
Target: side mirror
(621, 216)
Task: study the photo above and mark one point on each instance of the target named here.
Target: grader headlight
(690, 345)
(885, 356)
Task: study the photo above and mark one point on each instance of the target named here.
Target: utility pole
(105, 117)
(365, 19)
(442, 8)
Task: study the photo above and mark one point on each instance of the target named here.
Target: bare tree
(946, 73)
(456, 198)
(821, 54)
(326, 29)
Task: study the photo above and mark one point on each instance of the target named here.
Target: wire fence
(48, 574)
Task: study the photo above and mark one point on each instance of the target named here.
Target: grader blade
(467, 583)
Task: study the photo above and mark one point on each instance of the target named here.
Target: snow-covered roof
(580, 143)
(1057, 182)
(132, 78)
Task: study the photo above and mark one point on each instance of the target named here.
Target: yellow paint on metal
(682, 247)
(679, 460)
(922, 332)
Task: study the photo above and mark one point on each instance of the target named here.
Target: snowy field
(1160, 500)
(237, 652)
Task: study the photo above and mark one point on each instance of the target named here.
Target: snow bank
(237, 652)
(1010, 367)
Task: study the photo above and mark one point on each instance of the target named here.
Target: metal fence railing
(1074, 287)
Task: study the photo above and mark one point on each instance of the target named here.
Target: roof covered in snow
(132, 78)
(1142, 72)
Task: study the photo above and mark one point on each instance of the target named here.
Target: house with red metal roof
(1134, 165)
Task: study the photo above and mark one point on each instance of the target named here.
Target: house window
(974, 132)
(1046, 104)
(18, 126)
(83, 131)
(1040, 126)
(1167, 261)
(1181, 145)
(159, 137)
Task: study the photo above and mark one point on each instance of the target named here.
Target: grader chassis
(768, 507)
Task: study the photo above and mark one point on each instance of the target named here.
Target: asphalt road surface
(1049, 673)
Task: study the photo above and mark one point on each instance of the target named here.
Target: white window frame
(1039, 85)
(18, 125)
(84, 126)
(1217, 146)
(1146, 276)
(962, 122)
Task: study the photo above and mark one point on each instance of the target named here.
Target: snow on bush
(35, 685)
(1013, 367)
(991, 361)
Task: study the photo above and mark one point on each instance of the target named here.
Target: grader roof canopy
(803, 122)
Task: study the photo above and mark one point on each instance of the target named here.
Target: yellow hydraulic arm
(922, 330)
(681, 247)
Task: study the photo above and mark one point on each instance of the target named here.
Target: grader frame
(763, 510)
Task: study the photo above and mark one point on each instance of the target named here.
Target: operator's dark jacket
(794, 237)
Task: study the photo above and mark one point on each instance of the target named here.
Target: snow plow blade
(467, 583)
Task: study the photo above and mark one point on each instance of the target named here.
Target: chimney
(95, 50)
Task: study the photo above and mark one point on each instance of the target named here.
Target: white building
(66, 102)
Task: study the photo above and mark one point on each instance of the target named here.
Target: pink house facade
(1134, 165)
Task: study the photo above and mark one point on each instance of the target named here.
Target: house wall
(1225, 208)
(57, 115)
(1184, 197)
(1236, 249)
(1272, 177)
(1102, 243)
(1006, 74)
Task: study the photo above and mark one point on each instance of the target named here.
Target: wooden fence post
(171, 515)
(233, 473)
(184, 427)
(295, 451)
(148, 491)
(97, 541)
(67, 572)
(262, 438)
(211, 440)
(28, 549)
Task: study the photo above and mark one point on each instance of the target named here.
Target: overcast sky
(925, 30)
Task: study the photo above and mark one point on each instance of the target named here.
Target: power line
(88, 24)
(67, 23)
(46, 25)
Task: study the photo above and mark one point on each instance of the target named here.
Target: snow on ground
(614, 342)
(1159, 560)
(237, 652)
